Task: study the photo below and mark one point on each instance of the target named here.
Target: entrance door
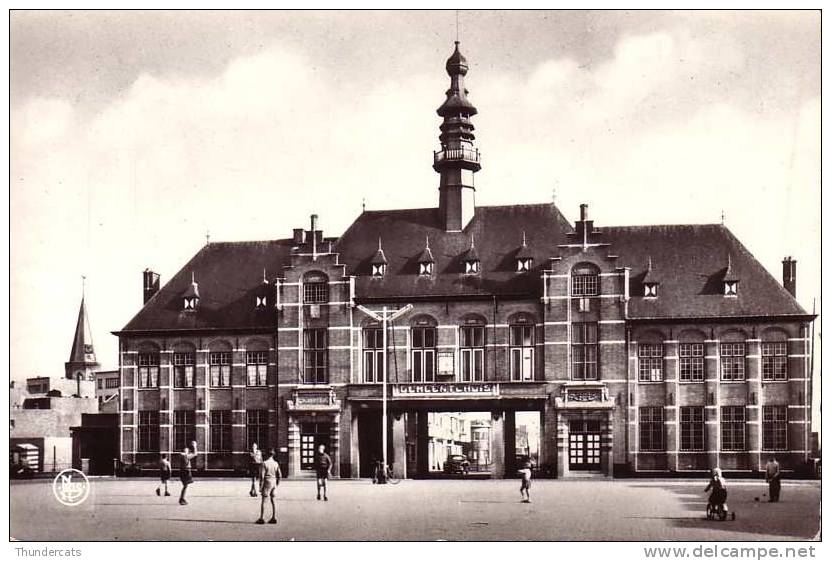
(584, 445)
(311, 436)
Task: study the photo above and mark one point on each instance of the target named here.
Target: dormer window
(650, 289)
(260, 302)
(190, 299)
(523, 265)
(425, 260)
(524, 259)
(379, 262)
(470, 260)
(731, 288)
(730, 281)
(425, 268)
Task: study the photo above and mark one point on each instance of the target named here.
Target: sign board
(446, 362)
(439, 390)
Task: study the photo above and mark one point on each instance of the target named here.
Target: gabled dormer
(261, 297)
(190, 299)
(379, 262)
(426, 261)
(650, 281)
(524, 259)
(730, 282)
(470, 260)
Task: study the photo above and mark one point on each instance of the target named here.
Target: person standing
(525, 486)
(164, 475)
(323, 469)
(773, 476)
(254, 466)
(188, 455)
(270, 476)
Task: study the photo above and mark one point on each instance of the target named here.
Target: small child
(525, 486)
(164, 475)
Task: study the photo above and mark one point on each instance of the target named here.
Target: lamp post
(385, 315)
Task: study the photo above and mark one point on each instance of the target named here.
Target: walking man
(270, 477)
(323, 469)
(773, 477)
(188, 455)
(164, 475)
(254, 467)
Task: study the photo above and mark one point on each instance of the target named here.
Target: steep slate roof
(692, 261)
(82, 349)
(496, 229)
(230, 276)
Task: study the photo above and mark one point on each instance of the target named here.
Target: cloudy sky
(133, 134)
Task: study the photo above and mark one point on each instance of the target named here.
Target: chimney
(584, 212)
(789, 275)
(313, 234)
(151, 284)
(298, 237)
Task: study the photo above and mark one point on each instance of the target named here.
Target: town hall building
(638, 349)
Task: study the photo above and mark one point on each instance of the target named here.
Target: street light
(384, 315)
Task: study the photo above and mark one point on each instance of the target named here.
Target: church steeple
(458, 159)
(82, 362)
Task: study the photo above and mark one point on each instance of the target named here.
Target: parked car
(457, 463)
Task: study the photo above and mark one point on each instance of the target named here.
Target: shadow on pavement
(752, 517)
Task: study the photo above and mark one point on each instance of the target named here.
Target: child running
(270, 477)
(188, 454)
(525, 486)
(164, 475)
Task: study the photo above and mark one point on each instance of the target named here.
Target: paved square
(220, 509)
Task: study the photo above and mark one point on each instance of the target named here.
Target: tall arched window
(521, 342)
(315, 288)
(472, 349)
(373, 352)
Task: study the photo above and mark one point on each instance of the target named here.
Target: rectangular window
(220, 369)
(148, 371)
(692, 428)
(584, 285)
(522, 352)
(100, 383)
(472, 353)
(691, 362)
(373, 355)
(774, 361)
(256, 368)
(315, 357)
(315, 292)
(148, 431)
(111, 383)
(651, 425)
(732, 361)
(257, 425)
(424, 354)
(183, 365)
(732, 427)
(584, 351)
(650, 362)
(184, 428)
(221, 431)
(775, 427)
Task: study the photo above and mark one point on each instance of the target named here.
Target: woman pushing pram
(717, 503)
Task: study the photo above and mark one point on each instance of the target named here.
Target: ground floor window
(732, 428)
(651, 422)
(692, 428)
(775, 427)
(313, 435)
(184, 428)
(257, 425)
(221, 431)
(148, 431)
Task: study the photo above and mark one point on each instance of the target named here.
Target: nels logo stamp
(71, 487)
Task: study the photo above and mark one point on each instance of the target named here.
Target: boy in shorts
(525, 486)
(254, 467)
(164, 475)
(270, 477)
(323, 469)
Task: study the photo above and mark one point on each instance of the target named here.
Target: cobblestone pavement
(221, 509)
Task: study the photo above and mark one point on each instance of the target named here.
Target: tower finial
(457, 27)
(192, 277)
(427, 242)
(523, 239)
(472, 242)
(207, 237)
(379, 243)
(648, 262)
(83, 286)
(265, 279)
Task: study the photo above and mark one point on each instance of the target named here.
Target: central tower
(458, 159)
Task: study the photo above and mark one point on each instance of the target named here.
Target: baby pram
(717, 503)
